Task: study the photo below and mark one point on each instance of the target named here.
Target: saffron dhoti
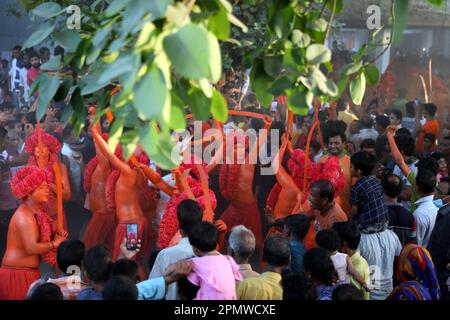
(15, 282)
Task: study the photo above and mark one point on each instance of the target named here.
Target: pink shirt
(216, 276)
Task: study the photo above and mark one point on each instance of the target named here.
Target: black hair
(428, 163)
(318, 262)
(44, 49)
(277, 251)
(203, 236)
(438, 155)
(334, 129)
(403, 131)
(70, 253)
(347, 292)
(326, 189)
(410, 111)
(364, 161)
(98, 263)
(430, 108)
(298, 225)
(47, 291)
(125, 267)
(397, 113)
(189, 213)
(366, 121)
(34, 54)
(297, 286)
(426, 180)
(392, 185)
(349, 233)
(368, 144)
(17, 47)
(328, 240)
(341, 104)
(120, 288)
(380, 146)
(382, 120)
(405, 143)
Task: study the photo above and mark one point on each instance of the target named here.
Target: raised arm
(155, 178)
(218, 156)
(103, 147)
(396, 155)
(262, 139)
(284, 178)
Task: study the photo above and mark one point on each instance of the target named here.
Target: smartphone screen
(132, 236)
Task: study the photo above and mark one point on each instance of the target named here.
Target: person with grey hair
(241, 246)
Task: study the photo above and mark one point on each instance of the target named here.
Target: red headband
(27, 180)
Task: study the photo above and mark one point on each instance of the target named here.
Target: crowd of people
(358, 210)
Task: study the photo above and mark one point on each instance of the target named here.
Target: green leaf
(81, 54)
(351, 68)
(151, 94)
(342, 84)
(318, 53)
(401, 8)
(77, 103)
(35, 85)
(220, 25)
(158, 8)
(101, 36)
(48, 85)
(437, 3)
(298, 102)
(39, 35)
(129, 141)
(115, 131)
(176, 119)
(53, 64)
(68, 39)
(125, 63)
(372, 74)
(199, 104)
(360, 53)
(259, 82)
(238, 23)
(339, 5)
(160, 146)
(319, 25)
(281, 19)
(91, 82)
(219, 108)
(192, 41)
(300, 39)
(47, 10)
(357, 88)
(66, 115)
(215, 59)
(115, 7)
(132, 15)
(63, 90)
(272, 65)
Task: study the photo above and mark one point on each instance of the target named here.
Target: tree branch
(388, 45)
(331, 21)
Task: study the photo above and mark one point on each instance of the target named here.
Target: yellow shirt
(266, 286)
(348, 118)
(362, 267)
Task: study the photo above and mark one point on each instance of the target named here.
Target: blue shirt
(152, 289)
(89, 294)
(297, 253)
(368, 195)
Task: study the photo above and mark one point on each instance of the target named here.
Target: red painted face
(44, 150)
(41, 193)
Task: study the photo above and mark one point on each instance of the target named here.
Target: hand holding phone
(132, 236)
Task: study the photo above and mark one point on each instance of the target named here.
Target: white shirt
(425, 216)
(380, 249)
(165, 257)
(362, 135)
(397, 171)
